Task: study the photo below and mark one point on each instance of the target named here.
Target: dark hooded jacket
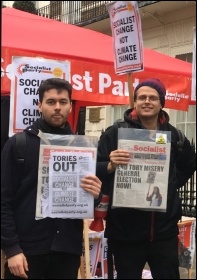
(138, 225)
(20, 232)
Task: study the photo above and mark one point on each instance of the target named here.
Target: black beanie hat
(157, 85)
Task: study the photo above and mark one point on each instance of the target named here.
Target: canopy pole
(131, 99)
(87, 250)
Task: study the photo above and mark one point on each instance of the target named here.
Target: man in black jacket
(136, 236)
(48, 248)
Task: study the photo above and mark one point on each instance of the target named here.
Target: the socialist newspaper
(135, 184)
(59, 194)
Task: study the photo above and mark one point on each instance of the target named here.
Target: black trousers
(56, 265)
(161, 256)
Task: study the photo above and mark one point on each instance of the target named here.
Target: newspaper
(60, 171)
(148, 169)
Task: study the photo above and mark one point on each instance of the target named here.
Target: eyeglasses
(151, 98)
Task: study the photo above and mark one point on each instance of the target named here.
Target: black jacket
(20, 232)
(134, 224)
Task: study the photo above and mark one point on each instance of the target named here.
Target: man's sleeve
(9, 183)
(186, 162)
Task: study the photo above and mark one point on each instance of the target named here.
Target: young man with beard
(48, 248)
(136, 236)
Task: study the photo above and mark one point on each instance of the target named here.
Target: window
(185, 57)
(186, 121)
(118, 112)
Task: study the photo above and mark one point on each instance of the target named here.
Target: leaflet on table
(61, 168)
(143, 183)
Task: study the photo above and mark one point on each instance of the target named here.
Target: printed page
(59, 194)
(143, 183)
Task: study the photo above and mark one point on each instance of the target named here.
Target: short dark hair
(54, 83)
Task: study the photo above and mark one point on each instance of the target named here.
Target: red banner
(98, 83)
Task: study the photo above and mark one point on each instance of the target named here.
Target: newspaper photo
(61, 169)
(143, 183)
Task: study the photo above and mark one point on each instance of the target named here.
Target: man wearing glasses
(136, 237)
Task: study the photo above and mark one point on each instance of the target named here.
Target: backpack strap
(122, 124)
(21, 146)
(181, 139)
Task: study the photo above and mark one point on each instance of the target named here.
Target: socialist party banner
(28, 74)
(127, 36)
